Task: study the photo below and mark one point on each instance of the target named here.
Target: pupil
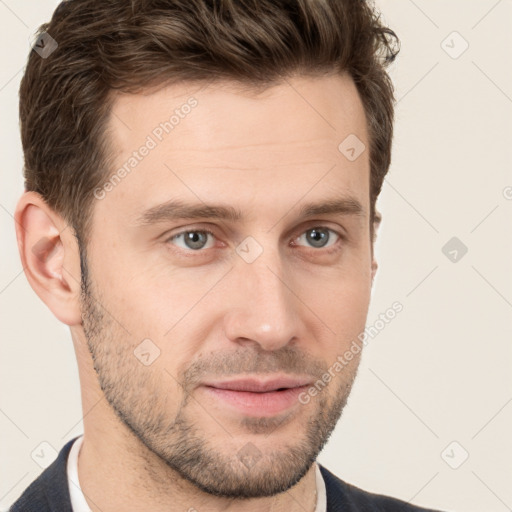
(318, 237)
(195, 239)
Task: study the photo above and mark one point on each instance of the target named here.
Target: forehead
(327, 106)
(235, 144)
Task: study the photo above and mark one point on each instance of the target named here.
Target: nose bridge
(264, 309)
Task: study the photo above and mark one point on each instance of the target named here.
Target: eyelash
(331, 249)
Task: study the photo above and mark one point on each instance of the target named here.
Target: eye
(197, 239)
(194, 240)
(320, 237)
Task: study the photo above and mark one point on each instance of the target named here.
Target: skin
(212, 314)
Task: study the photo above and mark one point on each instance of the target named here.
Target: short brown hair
(106, 45)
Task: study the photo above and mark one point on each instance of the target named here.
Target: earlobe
(376, 223)
(49, 256)
(375, 266)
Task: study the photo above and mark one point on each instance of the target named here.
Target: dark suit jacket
(49, 493)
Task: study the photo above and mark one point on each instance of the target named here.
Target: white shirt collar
(321, 492)
(79, 503)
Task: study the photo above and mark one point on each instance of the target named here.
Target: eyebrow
(179, 210)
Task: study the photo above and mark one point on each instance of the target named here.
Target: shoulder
(344, 497)
(49, 491)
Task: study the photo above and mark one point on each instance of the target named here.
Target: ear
(376, 223)
(50, 257)
(375, 266)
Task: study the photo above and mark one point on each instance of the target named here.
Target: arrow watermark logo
(352, 147)
(44, 45)
(454, 45)
(454, 249)
(249, 455)
(455, 455)
(44, 454)
(146, 352)
(249, 249)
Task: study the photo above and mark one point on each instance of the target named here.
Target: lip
(258, 397)
(260, 385)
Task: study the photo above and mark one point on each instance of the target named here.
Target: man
(201, 180)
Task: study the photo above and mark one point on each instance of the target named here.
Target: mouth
(258, 397)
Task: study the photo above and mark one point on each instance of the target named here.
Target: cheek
(147, 296)
(164, 307)
(347, 308)
(342, 304)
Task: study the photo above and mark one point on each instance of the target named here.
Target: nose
(263, 308)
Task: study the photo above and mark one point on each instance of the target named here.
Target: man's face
(206, 329)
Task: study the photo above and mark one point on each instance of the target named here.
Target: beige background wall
(435, 384)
